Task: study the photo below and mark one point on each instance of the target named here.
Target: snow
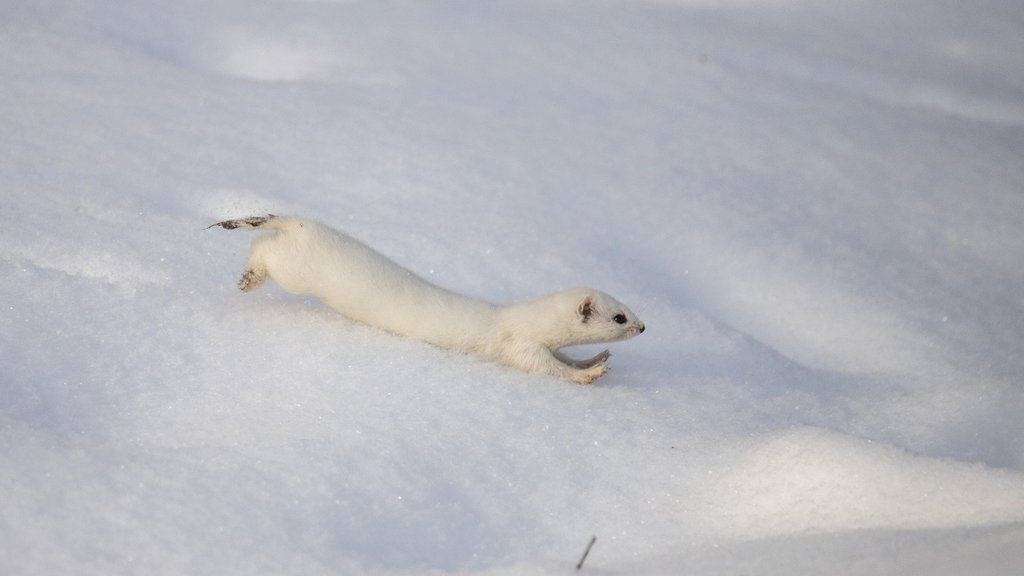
(814, 206)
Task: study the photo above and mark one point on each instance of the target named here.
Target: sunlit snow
(815, 207)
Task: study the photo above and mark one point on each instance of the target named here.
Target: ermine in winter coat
(306, 257)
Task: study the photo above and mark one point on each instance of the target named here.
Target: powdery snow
(814, 206)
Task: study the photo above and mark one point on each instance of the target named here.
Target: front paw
(600, 358)
(588, 375)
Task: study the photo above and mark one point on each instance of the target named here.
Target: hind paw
(251, 280)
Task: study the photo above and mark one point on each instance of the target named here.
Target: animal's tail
(250, 222)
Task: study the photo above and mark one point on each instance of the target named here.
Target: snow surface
(815, 206)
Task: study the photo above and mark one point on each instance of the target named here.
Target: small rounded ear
(585, 309)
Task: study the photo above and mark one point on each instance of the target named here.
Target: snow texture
(815, 207)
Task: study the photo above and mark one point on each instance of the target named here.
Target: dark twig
(585, 552)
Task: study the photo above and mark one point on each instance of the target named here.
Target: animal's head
(601, 318)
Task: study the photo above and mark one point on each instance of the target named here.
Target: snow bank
(814, 207)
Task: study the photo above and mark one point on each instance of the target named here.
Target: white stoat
(306, 257)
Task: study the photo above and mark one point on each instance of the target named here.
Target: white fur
(306, 257)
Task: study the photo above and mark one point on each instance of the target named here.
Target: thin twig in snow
(585, 552)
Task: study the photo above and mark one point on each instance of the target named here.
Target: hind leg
(256, 265)
(252, 278)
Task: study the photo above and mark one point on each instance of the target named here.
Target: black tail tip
(250, 222)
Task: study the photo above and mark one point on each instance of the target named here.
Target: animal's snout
(641, 328)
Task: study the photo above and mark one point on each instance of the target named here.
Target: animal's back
(306, 257)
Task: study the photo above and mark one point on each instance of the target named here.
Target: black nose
(642, 328)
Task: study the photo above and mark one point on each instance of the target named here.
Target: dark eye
(620, 318)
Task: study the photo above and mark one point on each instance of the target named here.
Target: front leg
(548, 362)
(588, 375)
(589, 362)
(539, 359)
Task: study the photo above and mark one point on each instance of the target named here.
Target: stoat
(306, 257)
